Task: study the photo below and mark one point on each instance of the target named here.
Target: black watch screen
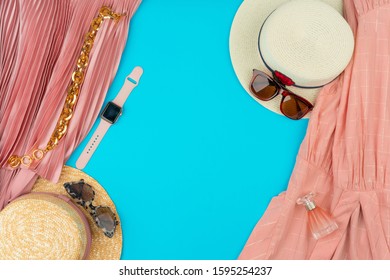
(111, 112)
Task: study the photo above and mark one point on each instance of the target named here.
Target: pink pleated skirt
(40, 42)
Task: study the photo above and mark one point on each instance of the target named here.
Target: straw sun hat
(46, 224)
(307, 40)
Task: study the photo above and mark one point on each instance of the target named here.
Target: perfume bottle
(319, 221)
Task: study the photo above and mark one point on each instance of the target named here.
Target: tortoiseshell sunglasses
(84, 195)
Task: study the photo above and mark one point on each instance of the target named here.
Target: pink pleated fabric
(345, 158)
(40, 41)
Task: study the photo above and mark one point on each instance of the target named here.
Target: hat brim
(102, 247)
(243, 46)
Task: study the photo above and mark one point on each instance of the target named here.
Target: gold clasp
(14, 161)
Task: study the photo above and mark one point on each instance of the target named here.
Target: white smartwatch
(109, 116)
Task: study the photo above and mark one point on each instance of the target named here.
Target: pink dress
(345, 158)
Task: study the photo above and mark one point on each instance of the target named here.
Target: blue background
(194, 161)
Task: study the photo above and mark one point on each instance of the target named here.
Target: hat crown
(43, 226)
(309, 41)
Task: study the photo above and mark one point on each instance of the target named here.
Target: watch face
(111, 112)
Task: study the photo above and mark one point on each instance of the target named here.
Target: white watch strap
(130, 83)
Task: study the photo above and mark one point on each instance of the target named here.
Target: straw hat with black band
(47, 224)
(308, 41)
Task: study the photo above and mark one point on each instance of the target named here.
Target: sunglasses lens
(263, 88)
(105, 219)
(80, 191)
(293, 107)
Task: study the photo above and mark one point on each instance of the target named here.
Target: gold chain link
(73, 91)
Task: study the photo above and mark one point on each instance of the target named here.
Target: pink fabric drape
(344, 158)
(39, 44)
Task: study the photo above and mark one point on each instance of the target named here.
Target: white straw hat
(46, 224)
(307, 40)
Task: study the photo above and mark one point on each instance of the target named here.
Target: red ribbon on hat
(283, 79)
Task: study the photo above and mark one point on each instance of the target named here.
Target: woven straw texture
(102, 247)
(309, 41)
(28, 232)
(245, 56)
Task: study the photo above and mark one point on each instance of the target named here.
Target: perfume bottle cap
(308, 201)
(310, 205)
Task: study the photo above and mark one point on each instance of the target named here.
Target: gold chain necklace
(73, 91)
